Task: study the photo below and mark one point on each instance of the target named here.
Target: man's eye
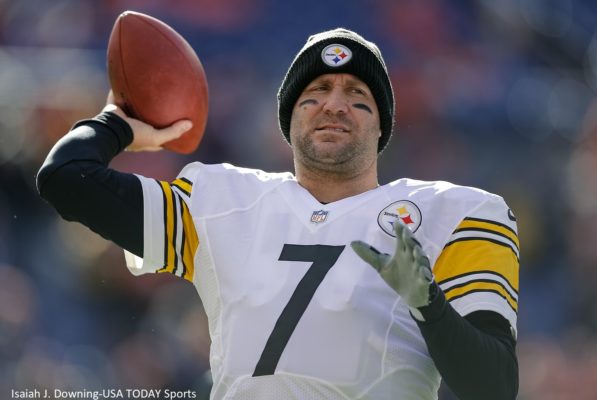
(358, 91)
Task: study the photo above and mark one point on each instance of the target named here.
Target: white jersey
(293, 312)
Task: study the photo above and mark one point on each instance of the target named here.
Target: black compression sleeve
(76, 180)
(474, 354)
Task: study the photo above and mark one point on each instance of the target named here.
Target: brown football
(157, 77)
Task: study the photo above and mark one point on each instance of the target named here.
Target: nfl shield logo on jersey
(405, 211)
(319, 216)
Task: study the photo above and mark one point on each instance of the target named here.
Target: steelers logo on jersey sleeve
(402, 210)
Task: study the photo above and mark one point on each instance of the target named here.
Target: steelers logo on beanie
(338, 51)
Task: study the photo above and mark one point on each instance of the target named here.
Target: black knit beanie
(338, 51)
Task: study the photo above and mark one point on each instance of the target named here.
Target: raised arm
(75, 178)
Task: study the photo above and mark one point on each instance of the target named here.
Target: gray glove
(407, 272)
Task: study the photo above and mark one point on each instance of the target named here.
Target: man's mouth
(332, 127)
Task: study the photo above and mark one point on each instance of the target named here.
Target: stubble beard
(341, 161)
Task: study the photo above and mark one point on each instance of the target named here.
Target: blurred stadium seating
(494, 94)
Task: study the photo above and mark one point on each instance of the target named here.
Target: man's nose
(335, 102)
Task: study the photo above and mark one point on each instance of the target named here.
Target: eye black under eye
(363, 107)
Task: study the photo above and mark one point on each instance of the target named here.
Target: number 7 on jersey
(323, 258)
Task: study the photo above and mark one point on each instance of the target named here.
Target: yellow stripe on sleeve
(472, 223)
(473, 256)
(184, 185)
(191, 243)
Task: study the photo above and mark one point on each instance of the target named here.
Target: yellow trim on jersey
(169, 231)
(183, 184)
(500, 229)
(191, 243)
(481, 286)
(477, 256)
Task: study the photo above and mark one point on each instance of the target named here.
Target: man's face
(335, 125)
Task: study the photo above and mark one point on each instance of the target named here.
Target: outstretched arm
(474, 354)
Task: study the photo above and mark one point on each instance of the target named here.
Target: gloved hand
(408, 271)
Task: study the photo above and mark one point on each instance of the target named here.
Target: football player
(320, 284)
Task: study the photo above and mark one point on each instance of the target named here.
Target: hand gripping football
(157, 77)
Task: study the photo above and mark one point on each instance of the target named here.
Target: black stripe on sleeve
(491, 222)
(488, 231)
(165, 206)
(181, 189)
(485, 271)
(186, 180)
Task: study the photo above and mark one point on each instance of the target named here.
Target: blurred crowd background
(494, 94)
